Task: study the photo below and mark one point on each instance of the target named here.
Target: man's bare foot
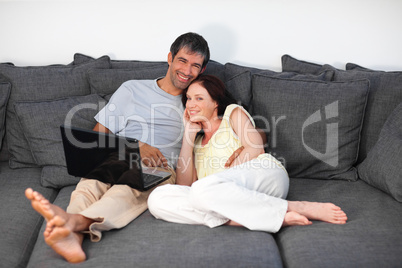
(64, 241)
(327, 212)
(294, 218)
(40, 204)
(62, 231)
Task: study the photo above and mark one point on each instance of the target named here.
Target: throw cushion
(41, 83)
(290, 64)
(41, 122)
(4, 95)
(121, 64)
(238, 80)
(382, 166)
(104, 82)
(384, 96)
(314, 126)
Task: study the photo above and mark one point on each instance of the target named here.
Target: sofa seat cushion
(148, 242)
(372, 236)
(19, 223)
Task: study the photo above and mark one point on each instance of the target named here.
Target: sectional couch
(338, 133)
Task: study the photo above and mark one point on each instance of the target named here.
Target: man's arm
(238, 151)
(150, 156)
(101, 128)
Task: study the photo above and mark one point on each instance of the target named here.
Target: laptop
(107, 157)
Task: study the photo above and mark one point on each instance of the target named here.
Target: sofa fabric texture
(337, 132)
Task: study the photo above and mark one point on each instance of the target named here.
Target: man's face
(184, 68)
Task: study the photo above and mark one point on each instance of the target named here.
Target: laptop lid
(107, 157)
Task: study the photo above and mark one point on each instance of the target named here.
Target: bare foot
(327, 212)
(294, 218)
(62, 231)
(40, 204)
(64, 241)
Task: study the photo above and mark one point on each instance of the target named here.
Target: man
(148, 110)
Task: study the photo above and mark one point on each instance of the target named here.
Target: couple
(95, 206)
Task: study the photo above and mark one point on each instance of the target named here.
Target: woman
(250, 192)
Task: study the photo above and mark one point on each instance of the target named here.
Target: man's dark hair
(194, 43)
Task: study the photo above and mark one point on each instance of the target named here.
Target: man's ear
(170, 58)
(203, 69)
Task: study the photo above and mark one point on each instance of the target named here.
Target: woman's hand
(190, 128)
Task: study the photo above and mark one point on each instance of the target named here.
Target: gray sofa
(338, 132)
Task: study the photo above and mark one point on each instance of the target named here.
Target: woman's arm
(185, 170)
(248, 135)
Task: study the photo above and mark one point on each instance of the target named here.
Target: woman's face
(200, 106)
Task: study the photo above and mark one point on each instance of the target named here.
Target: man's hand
(233, 157)
(151, 156)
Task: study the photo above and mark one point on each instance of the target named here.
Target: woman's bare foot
(294, 218)
(327, 212)
(64, 241)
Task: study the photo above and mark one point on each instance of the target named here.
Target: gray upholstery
(238, 80)
(382, 166)
(305, 94)
(148, 242)
(372, 236)
(19, 223)
(44, 83)
(290, 64)
(104, 82)
(41, 121)
(385, 94)
(4, 95)
(314, 127)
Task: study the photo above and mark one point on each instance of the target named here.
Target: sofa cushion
(381, 168)
(371, 237)
(148, 242)
(290, 64)
(104, 82)
(41, 120)
(384, 96)
(121, 64)
(215, 68)
(4, 95)
(19, 223)
(238, 80)
(314, 126)
(41, 83)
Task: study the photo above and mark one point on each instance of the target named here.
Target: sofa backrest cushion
(382, 166)
(41, 83)
(238, 80)
(385, 94)
(107, 81)
(41, 120)
(314, 126)
(5, 89)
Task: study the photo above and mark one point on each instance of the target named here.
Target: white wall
(248, 32)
